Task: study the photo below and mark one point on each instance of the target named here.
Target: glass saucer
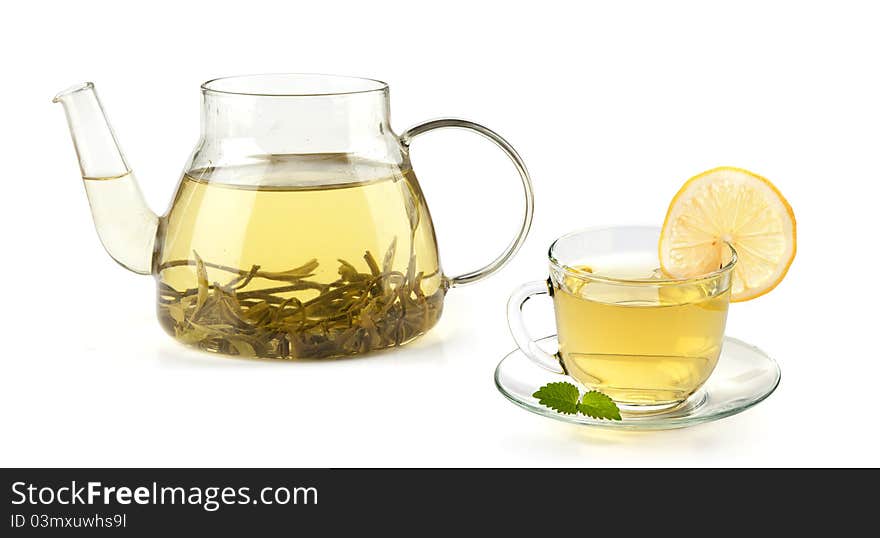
(744, 376)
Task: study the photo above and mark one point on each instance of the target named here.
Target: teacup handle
(518, 327)
(500, 261)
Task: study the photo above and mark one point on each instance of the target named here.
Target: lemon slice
(729, 205)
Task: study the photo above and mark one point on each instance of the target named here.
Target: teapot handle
(501, 260)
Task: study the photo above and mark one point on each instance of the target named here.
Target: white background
(613, 105)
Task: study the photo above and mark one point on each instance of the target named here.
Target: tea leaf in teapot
(176, 311)
(297, 273)
(202, 280)
(388, 262)
(175, 304)
(227, 308)
(411, 269)
(243, 280)
(287, 307)
(371, 263)
(191, 334)
(410, 198)
(349, 273)
(417, 285)
(257, 312)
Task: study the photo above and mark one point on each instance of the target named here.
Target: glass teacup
(624, 328)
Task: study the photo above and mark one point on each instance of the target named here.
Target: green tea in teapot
(332, 266)
(298, 229)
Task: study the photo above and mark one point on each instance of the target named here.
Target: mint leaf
(565, 398)
(562, 397)
(597, 405)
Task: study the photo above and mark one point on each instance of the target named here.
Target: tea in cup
(624, 328)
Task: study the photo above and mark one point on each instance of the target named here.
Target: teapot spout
(126, 225)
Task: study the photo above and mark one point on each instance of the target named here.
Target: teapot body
(298, 229)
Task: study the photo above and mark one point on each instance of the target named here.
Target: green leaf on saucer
(562, 397)
(597, 405)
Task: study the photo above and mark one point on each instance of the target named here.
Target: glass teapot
(298, 229)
